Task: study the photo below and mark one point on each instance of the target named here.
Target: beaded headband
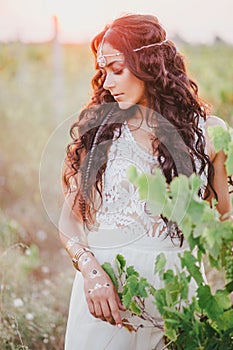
(101, 59)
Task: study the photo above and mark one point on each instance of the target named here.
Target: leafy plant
(205, 321)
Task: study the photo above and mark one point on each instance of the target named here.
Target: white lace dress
(126, 227)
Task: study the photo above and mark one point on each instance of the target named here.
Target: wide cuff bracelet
(78, 255)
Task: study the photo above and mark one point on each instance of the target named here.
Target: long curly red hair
(170, 93)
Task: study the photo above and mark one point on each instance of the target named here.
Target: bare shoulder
(213, 120)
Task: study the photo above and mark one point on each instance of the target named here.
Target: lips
(116, 96)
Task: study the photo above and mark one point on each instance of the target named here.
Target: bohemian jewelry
(98, 286)
(78, 254)
(71, 242)
(94, 273)
(101, 58)
(150, 45)
(85, 260)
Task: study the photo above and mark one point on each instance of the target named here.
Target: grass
(36, 97)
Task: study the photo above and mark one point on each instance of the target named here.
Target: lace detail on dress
(122, 207)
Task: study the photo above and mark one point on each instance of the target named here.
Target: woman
(145, 111)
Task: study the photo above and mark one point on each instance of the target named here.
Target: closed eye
(118, 72)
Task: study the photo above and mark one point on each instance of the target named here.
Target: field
(42, 88)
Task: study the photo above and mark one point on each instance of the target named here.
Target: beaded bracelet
(78, 254)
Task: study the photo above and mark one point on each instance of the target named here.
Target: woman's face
(125, 87)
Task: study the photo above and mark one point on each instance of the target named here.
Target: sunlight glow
(31, 20)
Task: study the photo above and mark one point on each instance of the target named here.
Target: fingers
(115, 311)
(106, 309)
(107, 312)
(119, 303)
(98, 310)
(91, 306)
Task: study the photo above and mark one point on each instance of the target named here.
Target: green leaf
(195, 183)
(172, 321)
(135, 308)
(184, 281)
(214, 263)
(160, 300)
(225, 321)
(169, 331)
(208, 303)
(196, 210)
(126, 298)
(157, 192)
(142, 285)
(229, 160)
(186, 226)
(143, 187)
(132, 284)
(130, 270)
(121, 262)
(191, 263)
(223, 299)
(172, 287)
(109, 270)
(229, 287)
(181, 197)
(220, 137)
(160, 263)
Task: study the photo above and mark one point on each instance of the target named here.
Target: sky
(79, 21)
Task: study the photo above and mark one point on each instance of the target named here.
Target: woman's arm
(101, 295)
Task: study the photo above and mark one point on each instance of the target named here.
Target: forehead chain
(101, 58)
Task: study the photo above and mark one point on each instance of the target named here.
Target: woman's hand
(102, 298)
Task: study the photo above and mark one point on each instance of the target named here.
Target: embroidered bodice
(122, 207)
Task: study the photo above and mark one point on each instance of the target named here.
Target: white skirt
(85, 332)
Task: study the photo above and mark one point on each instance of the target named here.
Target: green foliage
(205, 321)
(223, 139)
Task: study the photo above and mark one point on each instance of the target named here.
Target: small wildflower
(18, 302)
(29, 316)
(28, 251)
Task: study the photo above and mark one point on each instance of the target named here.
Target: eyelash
(118, 72)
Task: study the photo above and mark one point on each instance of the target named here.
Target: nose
(108, 82)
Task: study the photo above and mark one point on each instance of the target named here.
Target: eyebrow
(111, 63)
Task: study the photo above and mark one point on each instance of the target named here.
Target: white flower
(45, 269)
(28, 251)
(29, 316)
(18, 302)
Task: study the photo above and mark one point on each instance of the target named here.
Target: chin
(125, 105)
